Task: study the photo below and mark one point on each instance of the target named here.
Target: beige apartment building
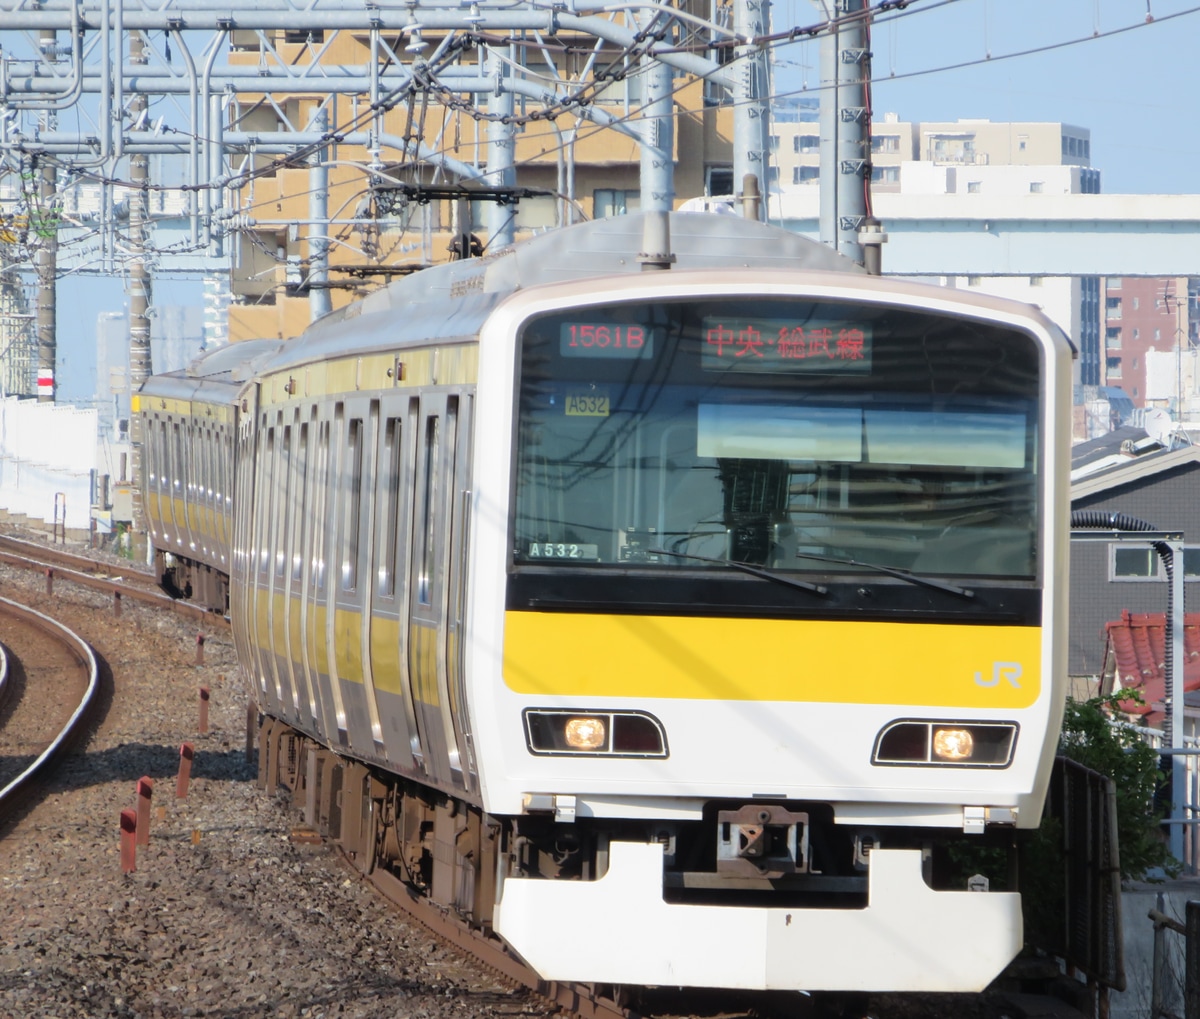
(585, 170)
(963, 143)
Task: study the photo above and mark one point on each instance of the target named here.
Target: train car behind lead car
(675, 626)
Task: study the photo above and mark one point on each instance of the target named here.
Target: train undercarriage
(737, 862)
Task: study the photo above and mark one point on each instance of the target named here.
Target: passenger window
(429, 501)
(352, 481)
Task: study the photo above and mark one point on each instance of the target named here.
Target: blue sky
(1135, 91)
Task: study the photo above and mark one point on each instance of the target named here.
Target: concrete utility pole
(657, 130)
(844, 120)
(46, 227)
(141, 366)
(751, 94)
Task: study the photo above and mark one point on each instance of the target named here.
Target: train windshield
(786, 434)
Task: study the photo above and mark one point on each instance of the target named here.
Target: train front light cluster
(937, 743)
(553, 731)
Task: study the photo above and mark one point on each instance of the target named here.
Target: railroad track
(58, 564)
(48, 688)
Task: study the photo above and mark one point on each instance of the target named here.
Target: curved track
(50, 683)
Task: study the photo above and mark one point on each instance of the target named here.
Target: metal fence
(1190, 930)
(1074, 911)
(1185, 828)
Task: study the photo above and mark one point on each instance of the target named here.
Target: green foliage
(1089, 737)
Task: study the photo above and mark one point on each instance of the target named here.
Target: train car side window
(352, 489)
(284, 518)
(301, 501)
(176, 459)
(322, 480)
(429, 504)
(393, 451)
(267, 506)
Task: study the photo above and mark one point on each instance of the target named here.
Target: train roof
(454, 299)
(215, 375)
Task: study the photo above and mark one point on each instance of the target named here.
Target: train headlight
(553, 731)
(940, 742)
(953, 744)
(585, 733)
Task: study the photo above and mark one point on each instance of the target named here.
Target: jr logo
(1001, 670)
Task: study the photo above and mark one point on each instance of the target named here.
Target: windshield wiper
(892, 571)
(754, 571)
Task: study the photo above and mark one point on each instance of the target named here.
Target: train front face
(781, 576)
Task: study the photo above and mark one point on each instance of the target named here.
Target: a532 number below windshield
(777, 433)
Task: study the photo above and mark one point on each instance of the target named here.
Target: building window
(1136, 333)
(1158, 334)
(1113, 364)
(886, 174)
(806, 142)
(720, 180)
(614, 202)
(774, 143)
(1112, 338)
(1035, 187)
(1022, 142)
(973, 187)
(1134, 364)
(1131, 562)
(885, 143)
(805, 174)
(973, 281)
(1112, 307)
(1037, 281)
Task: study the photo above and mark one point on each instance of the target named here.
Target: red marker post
(128, 841)
(145, 790)
(199, 649)
(186, 753)
(204, 696)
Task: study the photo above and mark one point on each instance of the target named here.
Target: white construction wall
(47, 455)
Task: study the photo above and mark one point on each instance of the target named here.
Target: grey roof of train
(466, 291)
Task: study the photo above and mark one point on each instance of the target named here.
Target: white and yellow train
(675, 626)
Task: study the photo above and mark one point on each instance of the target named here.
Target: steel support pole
(657, 129)
(501, 135)
(319, 301)
(845, 161)
(751, 93)
(1176, 693)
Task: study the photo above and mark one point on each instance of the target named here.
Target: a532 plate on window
(562, 550)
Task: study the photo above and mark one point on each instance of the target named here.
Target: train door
(456, 594)
(433, 497)
(313, 613)
(357, 516)
(243, 538)
(331, 554)
(279, 571)
(266, 532)
(294, 588)
(394, 458)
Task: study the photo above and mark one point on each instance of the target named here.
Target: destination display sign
(739, 343)
(609, 340)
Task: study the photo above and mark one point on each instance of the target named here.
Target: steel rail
(578, 999)
(143, 589)
(82, 713)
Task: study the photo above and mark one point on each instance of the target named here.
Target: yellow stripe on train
(928, 664)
